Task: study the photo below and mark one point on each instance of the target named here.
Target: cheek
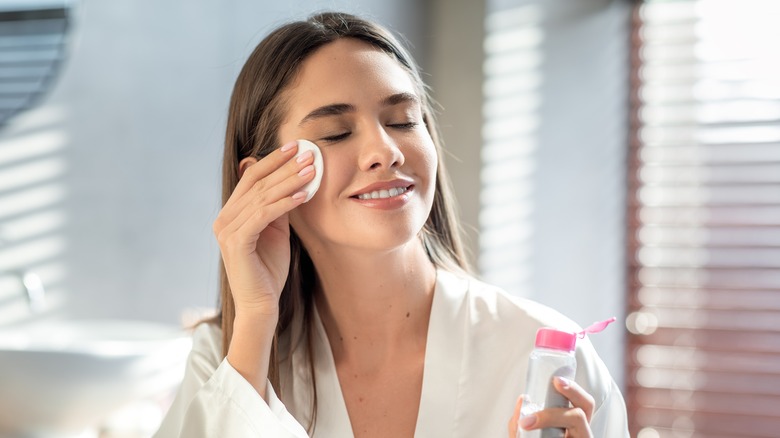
(335, 177)
(310, 219)
(427, 158)
(338, 170)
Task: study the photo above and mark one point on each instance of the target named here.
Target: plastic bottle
(552, 356)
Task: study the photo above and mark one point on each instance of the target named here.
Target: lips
(383, 194)
(383, 190)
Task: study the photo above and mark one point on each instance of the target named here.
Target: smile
(383, 194)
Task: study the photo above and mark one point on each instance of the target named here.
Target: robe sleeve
(214, 400)
(609, 419)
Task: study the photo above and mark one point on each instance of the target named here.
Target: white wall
(128, 152)
(572, 122)
(579, 243)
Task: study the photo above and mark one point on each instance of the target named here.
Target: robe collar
(442, 372)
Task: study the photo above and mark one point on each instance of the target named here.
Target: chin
(361, 229)
(387, 240)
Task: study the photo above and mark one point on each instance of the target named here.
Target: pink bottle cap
(555, 339)
(564, 341)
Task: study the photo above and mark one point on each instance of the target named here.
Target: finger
(512, 427)
(264, 167)
(234, 213)
(284, 172)
(255, 224)
(573, 420)
(254, 200)
(243, 238)
(282, 183)
(247, 194)
(257, 212)
(578, 397)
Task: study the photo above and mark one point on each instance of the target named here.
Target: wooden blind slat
(726, 299)
(697, 424)
(715, 340)
(716, 236)
(711, 216)
(707, 361)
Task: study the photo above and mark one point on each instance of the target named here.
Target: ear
(244, 165)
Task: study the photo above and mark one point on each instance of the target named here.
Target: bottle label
(555, 399)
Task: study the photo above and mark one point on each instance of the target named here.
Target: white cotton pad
(313, 185)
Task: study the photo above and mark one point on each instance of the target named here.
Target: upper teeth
(382, 194)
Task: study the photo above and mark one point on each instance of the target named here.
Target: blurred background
(610, 157)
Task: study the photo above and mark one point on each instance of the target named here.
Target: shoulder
(494, 325)
(501, 332)
(490, 305)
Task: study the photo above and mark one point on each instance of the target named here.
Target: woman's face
(362, 109)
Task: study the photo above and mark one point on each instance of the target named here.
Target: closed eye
(408, 125)
(337, 137)
(402, 126)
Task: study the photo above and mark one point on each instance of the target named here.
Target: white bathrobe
(479, 340)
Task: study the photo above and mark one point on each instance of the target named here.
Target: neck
(379, 301)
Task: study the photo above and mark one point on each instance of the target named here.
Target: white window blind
(704, 220)
(512, 98)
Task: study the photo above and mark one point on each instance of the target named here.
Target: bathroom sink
(58, 379)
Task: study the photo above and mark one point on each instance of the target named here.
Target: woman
(352, 314)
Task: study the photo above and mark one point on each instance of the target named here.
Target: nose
(380, 151)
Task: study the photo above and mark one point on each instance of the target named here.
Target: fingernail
(300, 195)
(306, 170)
(304, 156)
(563, 381)
(528, 421)
(288, 146)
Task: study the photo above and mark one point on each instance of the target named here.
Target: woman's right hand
(254, 236)
(253, 228)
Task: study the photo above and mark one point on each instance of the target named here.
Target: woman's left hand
(576, 420)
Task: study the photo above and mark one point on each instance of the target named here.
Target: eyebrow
(338, 109)
(397, 98)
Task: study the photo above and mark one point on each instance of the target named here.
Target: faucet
(33, 286)
(34, 291)
(36, 295)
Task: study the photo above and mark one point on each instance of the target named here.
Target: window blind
(704, 220)
(513, 78)
(32, 49)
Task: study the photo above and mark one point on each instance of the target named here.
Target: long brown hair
(257, 110)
